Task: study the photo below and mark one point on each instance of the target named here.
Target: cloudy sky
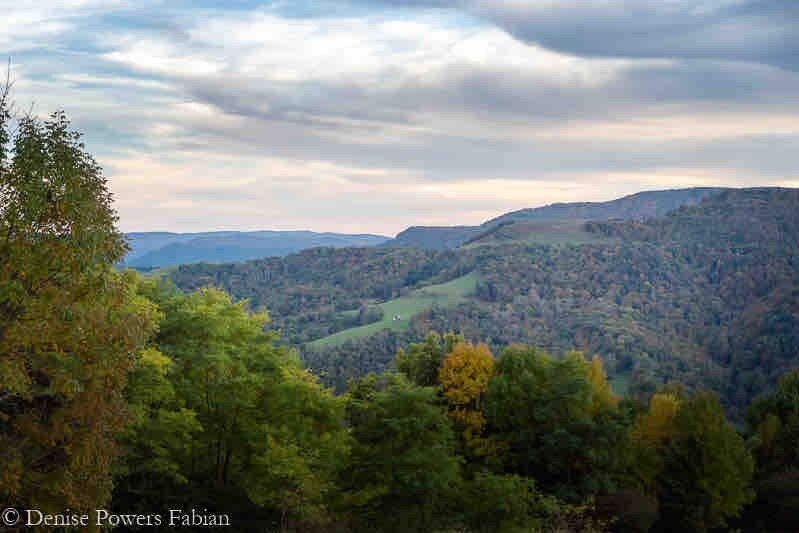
(369, 116)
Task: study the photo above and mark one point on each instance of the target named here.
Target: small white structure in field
(397, 317)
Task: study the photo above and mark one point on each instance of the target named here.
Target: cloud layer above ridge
(370, 116)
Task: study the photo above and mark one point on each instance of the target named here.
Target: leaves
(464, 376)
(70, 325)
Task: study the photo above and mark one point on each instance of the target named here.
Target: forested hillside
(705, 295)
(639, 206)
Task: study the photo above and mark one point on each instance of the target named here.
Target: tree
(602, 394)
(403, 472)
(422, 360)
(773, 420)
(299, 451)
(704, 470)
(544, 409)
(70, 325)
(464, 376)
(773, 427)
(258, 433)
(656, 426)
(507, 503)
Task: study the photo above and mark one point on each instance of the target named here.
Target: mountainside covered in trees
(707, 294)
(158, 249)
(638, 206)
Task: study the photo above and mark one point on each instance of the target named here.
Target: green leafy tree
(773, 421)
(251, 430)
(70, 325)
(298, 450)
(156, 444)
(403, 472)
(544, 409)
(507, 503)
(705, 469)
(422, 360)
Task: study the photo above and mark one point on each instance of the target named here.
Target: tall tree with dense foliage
(464, 376)
(70, 325)
(259, 432)
(543, 408)
(422, 360)
(703, 471)
(773, 420)
(403, 473)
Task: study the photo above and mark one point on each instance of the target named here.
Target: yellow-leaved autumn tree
(464, 376)
(657, 424)
(602, 395)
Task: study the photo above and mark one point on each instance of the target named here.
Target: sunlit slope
(444, 295)
(536, 232)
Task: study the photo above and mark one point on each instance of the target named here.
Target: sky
(370, 116)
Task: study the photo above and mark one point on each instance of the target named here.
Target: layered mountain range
(160, 249)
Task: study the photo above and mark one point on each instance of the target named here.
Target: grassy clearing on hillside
(538, 232)
(444, 295)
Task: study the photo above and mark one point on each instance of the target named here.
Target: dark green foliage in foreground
(240, 420)
(544, 410)
(706, 469)
(773, 421)
(403, 463)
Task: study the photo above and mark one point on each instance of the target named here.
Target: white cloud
(30, 24)
(372, 53)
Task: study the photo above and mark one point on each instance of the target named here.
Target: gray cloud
(763, 31)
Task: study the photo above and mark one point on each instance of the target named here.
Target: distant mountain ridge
(638, 206)
(159, 249)
(434, 237)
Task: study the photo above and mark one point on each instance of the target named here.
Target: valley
(398, 311)
(700, 295)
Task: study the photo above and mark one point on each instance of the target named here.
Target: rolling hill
(158, 249)
(639, 206)
(707, 294)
